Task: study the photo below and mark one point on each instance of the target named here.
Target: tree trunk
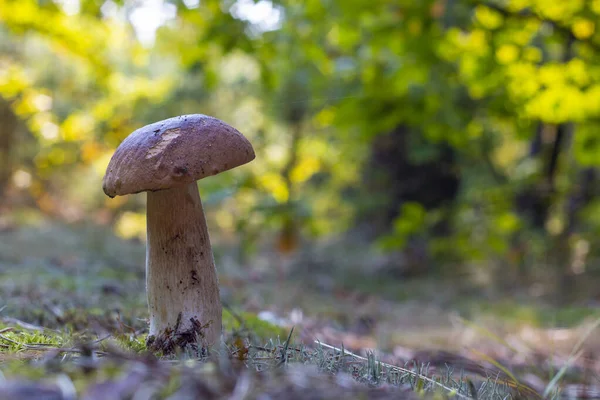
(8, 125)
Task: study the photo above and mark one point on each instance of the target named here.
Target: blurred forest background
(452, 140)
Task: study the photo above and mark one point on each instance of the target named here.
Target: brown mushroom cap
(175, 152)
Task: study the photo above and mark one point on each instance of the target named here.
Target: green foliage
(545, 317)
(312, 93)
(412, 221)
(248, 324)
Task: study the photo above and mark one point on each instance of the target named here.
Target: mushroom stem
(181, 279)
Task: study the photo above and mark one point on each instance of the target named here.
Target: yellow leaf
(131, 225)
(583, 28)
(90, 151)
(487, 17)
(275, 184)
(305, 169)
(77, 127)
(532, 54)
(325, 117)
(507, 53)
(552, 74)
(578, 72)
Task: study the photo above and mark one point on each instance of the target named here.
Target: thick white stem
(180, 271)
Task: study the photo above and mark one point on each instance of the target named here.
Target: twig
(47, 347)
(235, 315)
(30, 346)
(23, 324)
(284, 350)
(575, 354)
(72, 350)
(262, 348)
(10, 340)
(102, 339)
(394, 367)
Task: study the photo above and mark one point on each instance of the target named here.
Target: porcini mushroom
(165, 159)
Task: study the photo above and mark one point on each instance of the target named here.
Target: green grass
(90, 310)
(18, 341)
(278, 368)
(256, 353)
(535, 315)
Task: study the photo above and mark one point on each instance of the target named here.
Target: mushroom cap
(175, 152)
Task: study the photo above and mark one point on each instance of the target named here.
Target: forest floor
(72, 325)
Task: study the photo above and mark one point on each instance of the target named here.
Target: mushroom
(165, 159)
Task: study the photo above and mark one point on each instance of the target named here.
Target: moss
(136, 344)
(23, 340)
(248, 324)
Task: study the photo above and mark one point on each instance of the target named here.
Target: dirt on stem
(173, 339)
